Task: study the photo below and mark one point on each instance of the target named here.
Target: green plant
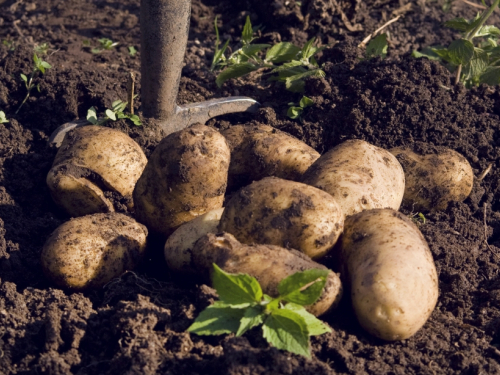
(242, 305)
(471, 64)
(132, 51)
(284, 61)
(105, 44)
(41, 49)
(11, 45)
(3, 118)
(295, 112)
(377, 47)
(418, 218)
(116, 112)
(39, 67)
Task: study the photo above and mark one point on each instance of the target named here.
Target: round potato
(179, 245)
(93, 161)
(390, 271)
(259, 151)
(284, 213)
(89, 251)
(359, 176)
(267, 263)
(186, 176)
(435, 177)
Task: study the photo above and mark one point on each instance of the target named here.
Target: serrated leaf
(24, 78)
(306, 102)
(308, 50)
(294, 112)
(461, 51)
(252, 318)
(234, 71)
(315, 327)
(92, 115)
(111, 115)
(377, 47)
(281, 52)
(491, 76)
(460, 24)
(247, 34)
(239, 290)
(287, 330)
(488, 30)
(303, 288)
(477, 64)
(215, 320)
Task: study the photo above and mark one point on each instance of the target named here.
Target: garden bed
(136, 324)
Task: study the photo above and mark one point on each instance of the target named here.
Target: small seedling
(132, 51)
(242, 306)
(284, 61)
(295, 112)
(105, 44)
(377, 47)
(116, 112)
(11, 46)
(41, 49)
(3, 118)
(39, 67)
(471, 64)
(419, 218)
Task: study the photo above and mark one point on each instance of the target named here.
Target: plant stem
(457, 76)
(487, 13)
(29, 86)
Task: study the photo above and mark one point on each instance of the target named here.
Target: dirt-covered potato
(94, 164)
(179, 245)
(284, 213)
(390, 271)
(186, 176)
(359, 176)
(435, 177)
(259, 151)
(267, 263)
(88, 251)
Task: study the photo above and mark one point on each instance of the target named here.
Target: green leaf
(461, 51)
(281, 52)
(460, 24)
(315, 327)
(477, 64)
(252, 318)
(136, 120)
(46, 65)
(488, 30)
(252, 49)
(294, 112)
(238, 290)
(96, 50)
(296, 83)
(306, 102)
(111, 115)
(3, 118)
(24, 78)
(234, 71)
(92, 115)
(247, 35)
(426, 52)
(303, 288)
(491, 76)
(309, 50)
(217, 320)
(287, 330)
(132, 51)
(119, 106)
(377, 47)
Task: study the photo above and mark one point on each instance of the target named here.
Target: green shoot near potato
(295, 112)
(242, 306)
(39, 67)
(116, 112)
(283, 62)
(472, 64)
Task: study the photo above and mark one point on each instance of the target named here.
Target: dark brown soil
(136, 324)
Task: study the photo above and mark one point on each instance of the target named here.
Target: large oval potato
(186, 176)
(435, 177)
(92, 161)
(259, 151)
(284, 213)
(268, 264)
(359, 176)
(179, 245)
(88, 251)
(390, 271)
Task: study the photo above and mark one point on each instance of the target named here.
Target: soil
(136, 324)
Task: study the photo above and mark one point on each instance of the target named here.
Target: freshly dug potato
(284, 213)
(389, 268)
(179, 245)
(88, 251)
(435, 177)
(92, 164)
(359, 176)
(185, 177)
(267, 263)
(259, 151)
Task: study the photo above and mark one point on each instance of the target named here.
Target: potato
(179, 245)
(259, 151)
(435, 177)
(185, 177)
(267, 263)
(390, 271)
(359, 176)
(94, 161)
(89, 251)
(284, 213)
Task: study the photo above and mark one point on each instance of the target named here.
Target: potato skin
(284, 213)
(179, 245)
(91, 160)
(89, 251)
(186, 176)
(359, 176)
(267, 263)
(390, 271)
(259, 151)
(434, 178)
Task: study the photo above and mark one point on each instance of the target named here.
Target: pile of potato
(288, 208)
